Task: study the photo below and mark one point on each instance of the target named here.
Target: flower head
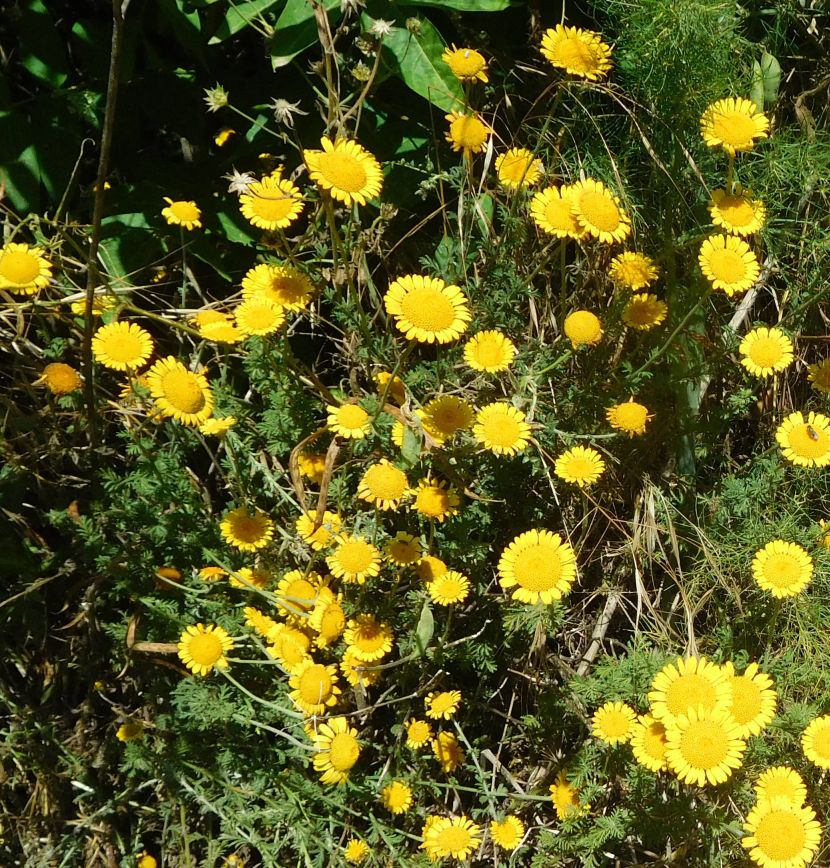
(247, 530)
(327, 618)
(582, 328)
(518, 167)
(284, 285)
(24, 270)
(552, 211)
(466, 64)
(447, 751)
(182, 213)
(449, 588)
(648, 743)
(507, 833)
(60, 378)
(383, 485)
(644, 311)
(805, 442)
(356, 851)
(502, 429)
(613, 722)
(354, 559)
(368, 639)
(426, 309)
(782, 568)
(404, 549)
(396, 797)
(349, 420)
(753, 698)
(314, 687)
(579, 465)
(347, 171)
(633, 270)
(489, 352)
(599, 212)
(284, 111)
(179, 393)
(318, 535)
(630, 417)
(442, 704)
(685, 684)
(781, 834)
(781, 782)
(338, 748)
(216, 98)
(565, 798)
(765, 351)
(577, 51)
(819, 375)
(737, 212)
(418, 732)
(122, 346)
(457, 837)
(733, 124)
(218, 426)
(467, 133)
(540, 565)
(444, 416)
(202, 648)
(704, 746)
(259, 315)
(815, 742)
(728, 263)
(394, 391)
(435, 500)
(272, 203)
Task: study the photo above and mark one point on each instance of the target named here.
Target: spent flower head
(216, 98)
(284, 111)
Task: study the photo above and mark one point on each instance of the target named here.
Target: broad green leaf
(240, 16)
(236, 230)
(186, 26)
(416, 58)
(19, 168)
(127, 246)
(425, 629)
(296, 30)
(462, 5)
(41, 48)
(766, 79)
(411, 449)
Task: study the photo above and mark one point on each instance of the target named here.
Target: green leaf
(411, 449)
(425, 629)
(19, 167)
(416, 58)
(240, 16)
(126, 246)
(42, 50)
(462, 5)
(186, 26)
(236, 230)
(296, 30)
(766, 79)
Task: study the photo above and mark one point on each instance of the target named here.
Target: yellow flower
(467, 133)
(552, 211)
(297, 593)
(346, 170)
(819, 375)
(272, 203)
(281, 284)
(579, 465)
(565, 799)
(613, 723)
(248, 577)
(256, 620)
(685, 684)
(728, 263)
(782, 568)
(430, 568)
(648, 743)
(247, 530)
(312, 465)
(582, 328)
(466, 64)
(781, 782)
(122, 346)
(447, 751)
(704, 746)
(202, 648)
(259, 316)
(507, 833)
(765, 351)
(396, 797)
(736, 212)
(434, 500)
(288, 645)
(539, 565)
(221, 138)
(145, 860)
(630, 417)
(418, 732)
(24, 270)
(222, 331)
(354, 559)
(502, 429)
(457, 837)
(577, 51)
(368, 639)
(599, 212)
(132, 730)
(349, 420)
(449, 588)
(59, 378)
(404, 549)
(182, 213)
(824, 539)
(781, 834)
(753, 698)
(212, 574)
(179, 393)
(644, 311)
(218, 426)
(518, 167)
(442, 704)
(426, 309)
(356, 851)
(815, 742)
(489, 351)
(324, 534)
(633, 270)
(383, 485)
(733, 124)
(313, 687)
(338, 749)
(365, 677)
(444, 416)
(327, 619)
(396, 391)
(101, 304)
(805, 442)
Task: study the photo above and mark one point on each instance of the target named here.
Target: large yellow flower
(518, 167)
(577, 51)
(457, 837)
(644, 311)
(765, 351)
(354, 559)
(467, 133)
(247, 530)
(648, 743)
(782, 568)
(23, 269)
(346, 170)
(737, 212)
(630, 417)
(753, 698)
(686, 684)
(383, 485)
(489, 351)
(733, 124)
(815, 742)
(444, 416)
(349, 420)
(781, 834)
(202, 649)
(282, 284)
(540, 565)
(704, 746)
(552, 211)
(368, 639)
(435, 500)
(426, 309)
(272, 203)
(122, 346)
(338, 749)
(179, 393)
(614, 722)
(582, 328)
(314, 687)
(781, 782)
(633, 270)
(182, 213)
(805, 442)
(728, 263)
(502, 429)
(580, 465)
(466, 64)
(599, 212)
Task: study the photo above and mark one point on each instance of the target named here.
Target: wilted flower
(284, 111)
(239, 181)
(216, 98)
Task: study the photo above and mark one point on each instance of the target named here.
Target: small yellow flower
(221, 138)
(24, 270)
(442, 704)
(644, 311)
(489, 351)
(630, 417)
(467, 133)
(272, 203)
(418, 733)
(582, 328)
(202, 648)
(580, 465)
(396, 797)
(819, 375)
(130, 731)
(182, 213)
(733, 124)
(764, 351)
(349, 420)
(633, 270)
(613, 723)
(466, 64)
(60, 378)
(518, 167)
(576, 51)
(507, 833)
(356, 851)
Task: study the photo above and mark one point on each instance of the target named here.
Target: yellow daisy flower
(346, 170)
(805, 442)
(314, 687)
(212, 574)
(404, 549)
(182, 213)
(518, 167)
(579, 465)
(507, 833)
(338, 748)
(489, 351)
(728, 263)
(781, 834)
(781, 782)
(704, 746)
(782, 568)
(685, 684)
(565, 798)
(397, 389)
(259, 315)
(444, 416)
(449, 588)
(599, 212)
(613, 723)
(815, 742)
(320, 536)
(358, 672)
(457, 837)
(418, 733)
(145, 860)
(354, 559)
(502, 429)
(132, 730)
(426, 309)
(644, 311)
(753, 698)
(59, 378)
(819, 375)
(447, 751)
(648, 743)
(551, 210)
(630, 417)
(435, 500)
(383, 485)
(577, 51)
(256, 620)
(368, 639)
(327, 618)
(356, 851)
(247, 530)
(733, 124)
(467, 133)
(765, 351)
(297, 593)
(396, 797)
(288, 645)
(247, 577)
(202, 649)
(24, 270)
(122, 346)
(312, 465)
(442, 704)
(285, 286)
(349, 420)
(101, 304)
(430, 568)
(272, 203)
(218, 426)
(633, 270)
(222, 331)
(737, 212)
(582, 328)
(179, 393)
(540, 565)
(466, 64)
